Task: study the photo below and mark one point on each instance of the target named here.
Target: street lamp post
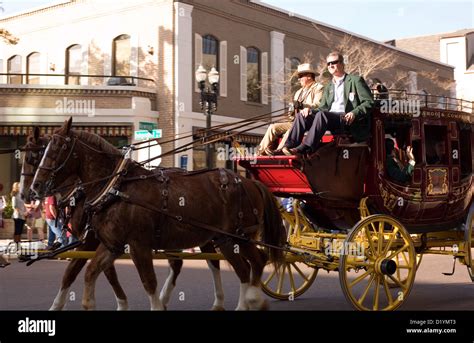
(208, 101)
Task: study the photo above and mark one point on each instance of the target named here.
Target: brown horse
(34, 150)
(147, 210)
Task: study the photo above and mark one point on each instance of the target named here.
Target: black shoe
(302, 149)
(3, 265)
(56, 245)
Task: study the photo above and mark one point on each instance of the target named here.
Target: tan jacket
(309, 96)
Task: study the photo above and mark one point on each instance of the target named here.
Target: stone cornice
(76, 91)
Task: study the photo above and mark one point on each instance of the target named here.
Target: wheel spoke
(387, 291)
(300, 272)
(376, 295)
(270, 277)
(401, 285)
(405, 257)
(362, 298)
(405, 267)
(389, 244)
(406, 246)
(360, 278)
(292, 280)
(281, 279)
(380, 238)
(369, 238)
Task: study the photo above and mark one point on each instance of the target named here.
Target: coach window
(465, 150)
(14, 67)
(253, 75)
(33, 67)
(435, 144)
(73, 64)
(122, 52)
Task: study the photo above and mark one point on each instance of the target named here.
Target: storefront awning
(221, 136)
(106, 131)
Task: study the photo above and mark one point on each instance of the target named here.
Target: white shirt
(19, 207)
(338, 104)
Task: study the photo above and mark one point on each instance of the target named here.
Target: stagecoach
(341, 210)
(343, 213)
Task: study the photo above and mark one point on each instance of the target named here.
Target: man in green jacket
(395, 168)
(345, 107)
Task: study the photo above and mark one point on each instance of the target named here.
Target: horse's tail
(274, 232)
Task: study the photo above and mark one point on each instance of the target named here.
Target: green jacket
(396, 173)
(358, 99)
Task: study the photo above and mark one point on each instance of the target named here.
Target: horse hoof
(217, 308)
(265, 305)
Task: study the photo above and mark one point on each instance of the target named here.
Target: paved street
(34, 288)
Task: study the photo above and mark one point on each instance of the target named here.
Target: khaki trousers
(275, 131)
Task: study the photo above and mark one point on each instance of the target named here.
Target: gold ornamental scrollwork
(437, 182)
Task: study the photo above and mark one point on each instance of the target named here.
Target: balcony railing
(75, 80)
(428, 100)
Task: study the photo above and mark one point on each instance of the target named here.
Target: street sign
(143, 125)
(145, 134)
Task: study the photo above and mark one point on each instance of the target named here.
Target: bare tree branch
(8, 37)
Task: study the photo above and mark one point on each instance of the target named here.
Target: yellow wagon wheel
(370, 260)
(289, 281)
(292, 278)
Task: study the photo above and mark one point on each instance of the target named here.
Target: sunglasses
(333, 62)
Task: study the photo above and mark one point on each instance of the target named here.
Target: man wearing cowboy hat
(346, 106)
(307, 98)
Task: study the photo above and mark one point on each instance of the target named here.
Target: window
(253, 75)
(14, 67)
(33, 67)
(294, 82)
(465, 146)
(210, 52)
(122, 52)
(73, 64)
(435, 144)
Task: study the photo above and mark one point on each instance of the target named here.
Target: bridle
(53, 170)
(34, 158)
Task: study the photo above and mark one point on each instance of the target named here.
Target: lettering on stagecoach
(412, 112)
(464, 117)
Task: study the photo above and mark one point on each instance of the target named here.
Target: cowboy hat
(306, 68)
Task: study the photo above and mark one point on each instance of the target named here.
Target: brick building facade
(136, 60)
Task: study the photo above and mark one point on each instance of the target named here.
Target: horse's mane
(97, 141)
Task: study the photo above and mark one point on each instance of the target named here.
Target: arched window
(33, 67)
(253, 75)
(210, 48)
(122, 52)
(294, 82)
(73, 64)
(14, 67)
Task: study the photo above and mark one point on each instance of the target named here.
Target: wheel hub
(386, 267)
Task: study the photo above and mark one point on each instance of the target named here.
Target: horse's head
(59, 161)
(34, 149)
